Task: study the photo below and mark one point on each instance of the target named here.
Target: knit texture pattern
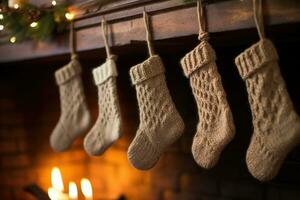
(107, 128)
(276, 124)
(216, 127)
(75, 116)
(160, 123)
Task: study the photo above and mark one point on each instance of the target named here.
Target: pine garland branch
(32, 22)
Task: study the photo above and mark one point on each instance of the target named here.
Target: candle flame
(54, 194)
(73, 193)
(86, 188)
(56, 179)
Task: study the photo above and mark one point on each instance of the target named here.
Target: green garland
(32, 22)
(36, 23)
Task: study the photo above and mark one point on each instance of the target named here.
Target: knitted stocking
(276, 124)
(160, 123)
(216, 128)
(107, 127)
(75, 116)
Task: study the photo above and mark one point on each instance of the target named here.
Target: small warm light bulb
(16, 6)
(69, 16)
(53, 3)
(33, 24)
(1, 27)
(13, 39)
(1, 16)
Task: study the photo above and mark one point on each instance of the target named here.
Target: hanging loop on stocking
(258, 18)
(104, 35)
(203, 34)
(148, 33)
(72, 41)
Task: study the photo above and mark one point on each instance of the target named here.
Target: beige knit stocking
(276, 124)
(107, 127)
(75, 116)
(160, 123)
(216, 128)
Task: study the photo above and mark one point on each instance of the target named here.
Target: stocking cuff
(153, 66)
(197, 58)
(67, 72)
(255, 57)
(105, 71)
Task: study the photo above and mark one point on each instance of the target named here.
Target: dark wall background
(29, 109)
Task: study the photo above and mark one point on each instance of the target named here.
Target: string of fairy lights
(22, 20)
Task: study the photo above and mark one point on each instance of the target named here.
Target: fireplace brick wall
(29, 109)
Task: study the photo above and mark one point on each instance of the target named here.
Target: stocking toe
(142, 154)
(262, 164)
(58, 141)
(205, 155)
(90, 144)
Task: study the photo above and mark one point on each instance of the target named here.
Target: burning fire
(56, 192)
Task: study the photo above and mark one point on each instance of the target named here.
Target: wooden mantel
(170, 19)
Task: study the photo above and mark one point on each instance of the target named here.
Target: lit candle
(86, 189)
(56, 179)
(54, 194)
(56, 191)
(73, 193)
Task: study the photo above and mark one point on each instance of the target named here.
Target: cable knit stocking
(75, 116)
(216, 128)
(107, 127)
(160, 123)
(276, 124)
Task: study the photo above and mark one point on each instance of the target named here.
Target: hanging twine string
(72, 40)
(104, 35)
(148, 33)
(258, 17)
(203, 35)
